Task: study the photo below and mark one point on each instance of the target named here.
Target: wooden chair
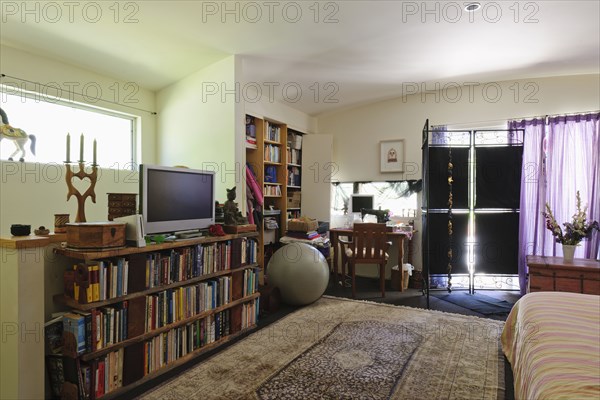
(368, 245)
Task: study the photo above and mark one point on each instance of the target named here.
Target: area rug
(346, 349)
(477, 302)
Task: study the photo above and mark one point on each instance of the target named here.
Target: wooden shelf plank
(294, 165)
(273, 183)
(124, 251)
(272, 142)
(272, 163)
(294, 187)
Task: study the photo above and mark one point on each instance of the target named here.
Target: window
(49, 120)
(399, 197)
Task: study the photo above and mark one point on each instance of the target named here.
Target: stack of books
(311, 235)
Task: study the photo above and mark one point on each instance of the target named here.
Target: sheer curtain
(560, 157)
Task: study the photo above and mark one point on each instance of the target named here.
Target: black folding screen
(486, 174)
(438, 177)
(498, 176)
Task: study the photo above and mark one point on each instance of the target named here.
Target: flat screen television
(176, 199)
(358, 201)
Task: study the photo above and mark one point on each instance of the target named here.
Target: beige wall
(32, 193)
(196, 124)
(357, 131)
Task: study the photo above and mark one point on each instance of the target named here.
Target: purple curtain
(560, 157)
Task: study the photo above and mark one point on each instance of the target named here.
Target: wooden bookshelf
(222, 310)
(278, 187)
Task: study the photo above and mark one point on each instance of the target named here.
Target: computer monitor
(359, 201)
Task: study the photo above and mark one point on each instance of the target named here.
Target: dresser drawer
(560, 280)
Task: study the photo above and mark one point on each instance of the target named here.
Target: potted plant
(574, 232)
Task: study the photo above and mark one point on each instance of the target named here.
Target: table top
(559, 262)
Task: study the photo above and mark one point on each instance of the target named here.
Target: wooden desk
(554, 274)
(335, 233)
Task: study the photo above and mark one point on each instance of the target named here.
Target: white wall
(357, 131)
(197, 123)
(31, 193)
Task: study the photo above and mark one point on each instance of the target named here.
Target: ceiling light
(472, 7)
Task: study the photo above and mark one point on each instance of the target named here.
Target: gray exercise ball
(300, 272)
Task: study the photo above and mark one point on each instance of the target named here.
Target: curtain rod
(520, 118)
(78, 94)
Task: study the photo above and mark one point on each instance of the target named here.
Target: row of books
(250, 313)
(294, 156)
(105, 279)
(104, 374)
(178, 342)
(249, 252)
(250, 285)
(292, 214)
(294, 176)
(190, 262)
(175, 305)
(273, 132)
(272, 153)
(97, 329)
(272, 190)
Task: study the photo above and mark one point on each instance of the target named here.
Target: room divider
(470, 208)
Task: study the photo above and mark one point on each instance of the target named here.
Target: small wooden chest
(96, 235)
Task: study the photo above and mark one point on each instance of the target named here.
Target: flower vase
(568, 251)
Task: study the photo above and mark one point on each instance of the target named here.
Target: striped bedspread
(552, 341)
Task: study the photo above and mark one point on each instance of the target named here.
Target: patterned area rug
(346, 349)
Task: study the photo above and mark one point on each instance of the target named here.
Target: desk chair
(368, 245)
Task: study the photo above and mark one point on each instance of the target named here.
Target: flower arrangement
(575, 231)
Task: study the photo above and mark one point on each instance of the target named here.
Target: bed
(552, 341)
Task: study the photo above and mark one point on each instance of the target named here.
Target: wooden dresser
(554, 274)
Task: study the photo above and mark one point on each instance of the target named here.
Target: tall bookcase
(273, 152)
(155, 308)
(294, 173)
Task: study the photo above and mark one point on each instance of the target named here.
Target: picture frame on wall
(391, 155)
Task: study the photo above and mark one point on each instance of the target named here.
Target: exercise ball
(300, 272)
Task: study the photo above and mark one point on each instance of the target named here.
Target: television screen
(176, 199)
(361, 201)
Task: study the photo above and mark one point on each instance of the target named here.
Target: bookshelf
(175, 302)
(294, 174)
(274, 153)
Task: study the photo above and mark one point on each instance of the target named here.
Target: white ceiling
(356, 51)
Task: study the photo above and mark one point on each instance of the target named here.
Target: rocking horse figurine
(18, 136)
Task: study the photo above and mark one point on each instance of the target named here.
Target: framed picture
(391, 155)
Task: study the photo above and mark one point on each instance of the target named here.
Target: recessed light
(472, 7)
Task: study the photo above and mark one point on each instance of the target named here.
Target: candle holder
(81, 198)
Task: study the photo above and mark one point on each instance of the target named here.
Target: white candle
(81, 149)
(94, 163)
(68, 147)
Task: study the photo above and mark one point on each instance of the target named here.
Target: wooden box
(96, 235)
(234, 229)
(298, 225)
(121, 205)
(294, 199)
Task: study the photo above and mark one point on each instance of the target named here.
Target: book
(74, 324)
(53, 333)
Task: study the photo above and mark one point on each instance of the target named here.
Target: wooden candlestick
(93, 177)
